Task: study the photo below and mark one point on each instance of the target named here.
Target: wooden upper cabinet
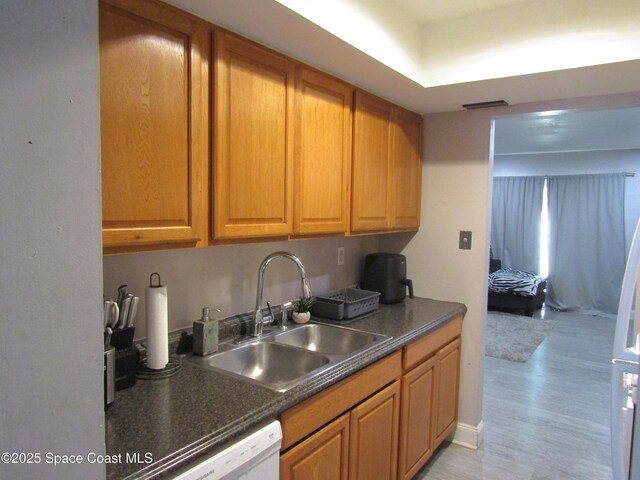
(387, 166)
(323, 126)
(372, 150)
(154, 63)
(407, 170)
(253, 140)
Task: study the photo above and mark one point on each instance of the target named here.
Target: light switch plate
(465, 240)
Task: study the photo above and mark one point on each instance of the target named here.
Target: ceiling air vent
(492, 103)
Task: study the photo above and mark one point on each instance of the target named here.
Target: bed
(515, 290)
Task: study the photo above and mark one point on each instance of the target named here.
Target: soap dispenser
(205, 334)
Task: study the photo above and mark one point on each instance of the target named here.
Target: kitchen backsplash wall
(225, 277)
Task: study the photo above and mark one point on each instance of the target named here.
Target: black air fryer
(387, 273)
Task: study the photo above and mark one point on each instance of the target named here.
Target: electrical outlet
(340, 255)
(465, 240)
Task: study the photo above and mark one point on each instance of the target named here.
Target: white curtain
(586, 242)
(515, 221)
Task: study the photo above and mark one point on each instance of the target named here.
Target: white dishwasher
(255, 456)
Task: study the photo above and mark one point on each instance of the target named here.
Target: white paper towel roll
(157, 327)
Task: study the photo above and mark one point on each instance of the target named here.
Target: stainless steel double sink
(280, 360)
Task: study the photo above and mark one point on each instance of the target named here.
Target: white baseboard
(468, 436)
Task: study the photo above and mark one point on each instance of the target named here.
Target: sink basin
(276, 366)
(327, 339)
(280, 361)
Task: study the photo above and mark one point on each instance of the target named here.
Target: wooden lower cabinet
(416, 440)
(322, 456)
(448, 379)
(383, 422)
(429, 396)
(361, 444)
(373, 451)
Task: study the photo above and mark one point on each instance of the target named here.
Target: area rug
(514, 337)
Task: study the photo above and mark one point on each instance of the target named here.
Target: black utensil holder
(122, 338)
(126, 366)
(126, 357)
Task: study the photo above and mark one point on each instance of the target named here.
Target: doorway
(559, 397)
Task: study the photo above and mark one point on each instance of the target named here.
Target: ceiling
(429, 11)
(272, 24)
(568, 131)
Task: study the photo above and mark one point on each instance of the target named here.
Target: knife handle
(122, 294)
(115, 315)
(106, 313)
(133, 309)
(124, 312)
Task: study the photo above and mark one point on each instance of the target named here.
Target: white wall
(377, 27)
(530, 37)
(455, 197)
(50, 259)
(456, 191)
(225, 277)
(574, 163)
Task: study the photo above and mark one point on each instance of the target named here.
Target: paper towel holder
(145, 373)
(151, 280)
(172, 367)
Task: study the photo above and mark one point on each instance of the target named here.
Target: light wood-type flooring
(546, 419)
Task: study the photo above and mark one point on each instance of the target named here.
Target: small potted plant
(301, 313)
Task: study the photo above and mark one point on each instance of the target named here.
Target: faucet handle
(270, 318)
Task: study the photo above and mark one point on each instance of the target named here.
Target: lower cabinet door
(322, 456)
(416, 426)
(448, 379)
(373, 450)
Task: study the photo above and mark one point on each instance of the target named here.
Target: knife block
(126, 357)
(122, 338)
(126, 366)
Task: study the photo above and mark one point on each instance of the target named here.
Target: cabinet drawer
(422, 348)
(313, 413)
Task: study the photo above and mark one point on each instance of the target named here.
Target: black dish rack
(345, 304)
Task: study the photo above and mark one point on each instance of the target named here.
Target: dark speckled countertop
(171, 422)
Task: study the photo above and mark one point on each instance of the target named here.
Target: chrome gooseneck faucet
(256, 325)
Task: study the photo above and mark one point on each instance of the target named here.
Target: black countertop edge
(216, 440)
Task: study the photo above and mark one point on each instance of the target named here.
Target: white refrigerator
(625, 412)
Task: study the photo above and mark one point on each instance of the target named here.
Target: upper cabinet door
(154, 117)
(372, 150)
(407, 170)
(253, 140)
(323, 153)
